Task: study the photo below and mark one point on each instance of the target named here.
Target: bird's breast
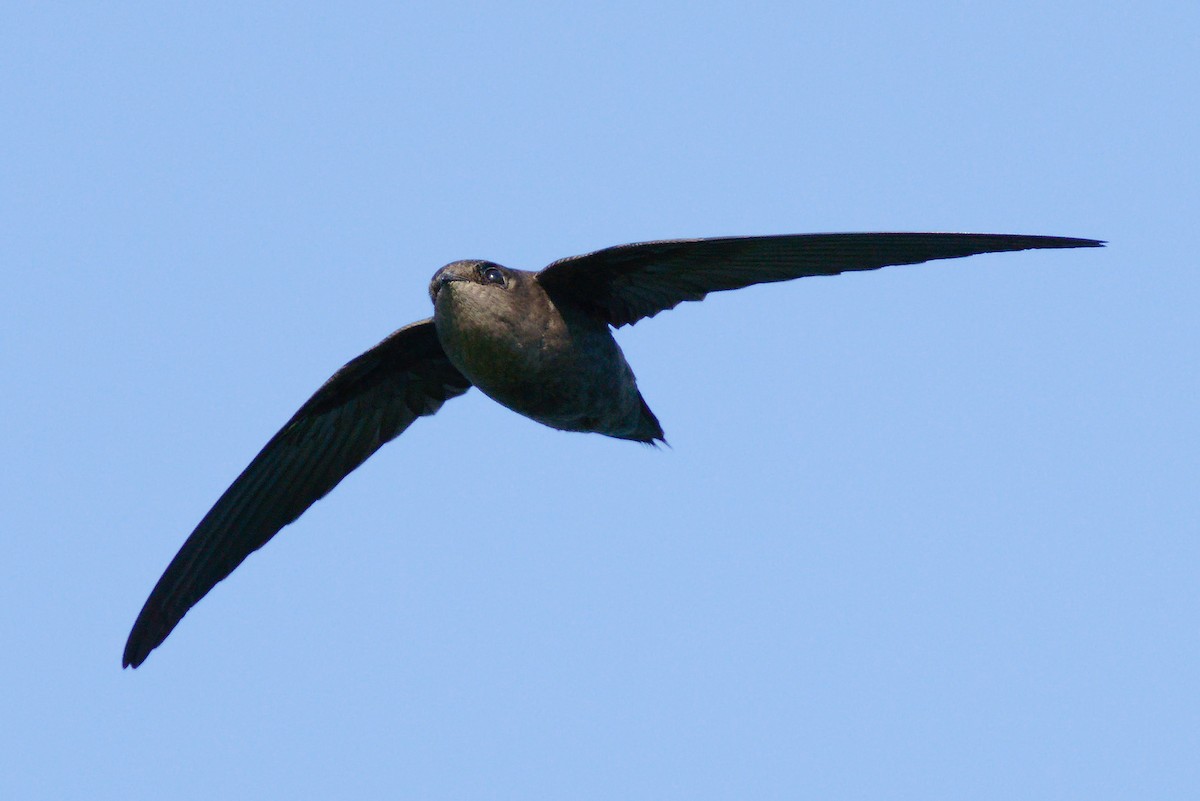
(560, 369)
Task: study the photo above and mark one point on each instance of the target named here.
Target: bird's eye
(492, 275)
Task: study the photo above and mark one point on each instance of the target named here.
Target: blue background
(929, 532)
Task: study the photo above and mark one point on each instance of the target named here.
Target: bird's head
(469, 271)
(481, 290)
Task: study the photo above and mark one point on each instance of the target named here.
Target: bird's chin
(445, 297)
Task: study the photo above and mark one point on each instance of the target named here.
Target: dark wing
(364, 404)
(626, 283)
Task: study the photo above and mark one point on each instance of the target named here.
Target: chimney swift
(539, 343)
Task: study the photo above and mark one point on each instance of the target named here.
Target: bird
(539, 343)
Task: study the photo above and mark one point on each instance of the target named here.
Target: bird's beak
(440, 279)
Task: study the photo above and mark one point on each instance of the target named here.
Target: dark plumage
(539, 343)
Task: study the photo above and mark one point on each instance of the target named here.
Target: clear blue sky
(929, 532)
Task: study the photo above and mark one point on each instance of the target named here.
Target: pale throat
(493, 344)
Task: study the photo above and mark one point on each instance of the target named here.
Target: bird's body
(539, 343)
(549, 361)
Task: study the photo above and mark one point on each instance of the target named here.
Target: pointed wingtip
(149, 631)
(1039, 242)
(134, 655)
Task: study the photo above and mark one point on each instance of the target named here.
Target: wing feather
(627, 283)
(365, 404)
